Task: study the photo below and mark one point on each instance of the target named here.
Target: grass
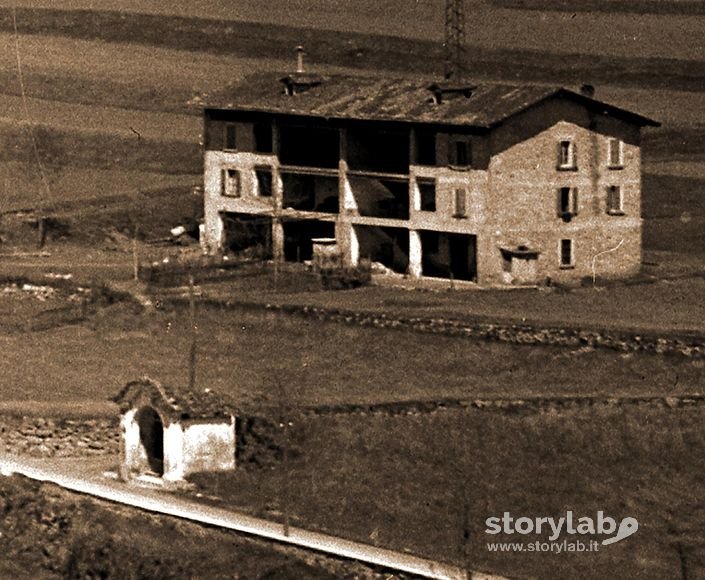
(660, 7)
(402, 482)
(51, 533)
(492, 28)
(245, 354)
(60, 147)
(71, 184)
(127, 123)
(527, 53)
(615, 306)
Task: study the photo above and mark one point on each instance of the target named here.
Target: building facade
(494, 184)
(169, 433)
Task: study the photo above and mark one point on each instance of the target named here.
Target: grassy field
(112, 120)
(50, 533)
(616, 305)
(247, 354)
(660, 7)
(404, 481)
(489, 27)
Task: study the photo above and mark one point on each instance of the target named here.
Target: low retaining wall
(536, 405)
(672, 343)
(40, 437)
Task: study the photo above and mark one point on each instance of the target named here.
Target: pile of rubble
(44, 292)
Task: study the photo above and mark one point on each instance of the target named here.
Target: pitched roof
(175, 403)
(390, 99)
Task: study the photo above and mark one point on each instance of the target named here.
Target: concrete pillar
(415, 254)
(348, 243)
(349, 204)
(277, 239)
(173, 453)
(129, 444)
(213, 230)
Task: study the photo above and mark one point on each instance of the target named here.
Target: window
(264, 181)
(425, 148)
(567, 257)
(230, 137)
(614, 200)
(566, 155)
(263, 137)
(615, 153)
(430, 242)
(567, 203)
(460, 209)
(460, 153)
(427, 193)
(230, 183)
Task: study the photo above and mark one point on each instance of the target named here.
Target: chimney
(300, 81)
(299, 59)
(587, 90)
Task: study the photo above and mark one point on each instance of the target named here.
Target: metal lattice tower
(455, 40)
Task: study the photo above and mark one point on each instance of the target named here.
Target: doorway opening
(152, 438)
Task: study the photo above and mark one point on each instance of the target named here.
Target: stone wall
(42, 437)
(529, 405)
(691, 346)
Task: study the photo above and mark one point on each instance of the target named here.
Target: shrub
(347, 277)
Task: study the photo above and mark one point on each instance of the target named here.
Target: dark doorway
(298, 236)
(388, 246)
(446, 255)
(248, 235)
(462, 256)
(152, 438)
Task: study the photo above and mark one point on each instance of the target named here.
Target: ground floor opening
(298, 236)
(152, 438)
(387, 246)
(250, 235)
(448, 255)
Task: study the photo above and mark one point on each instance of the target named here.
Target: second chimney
(299, 59)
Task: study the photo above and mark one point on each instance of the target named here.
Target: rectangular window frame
(263, 137)
(229, 137)
(615, 161)
(424, 148)
(567, 202)
(567, 160)
(260, 172)
(460, 153)
(566, 248)
(230, 183)
(615, 192)
(428, 197)
(460, 203)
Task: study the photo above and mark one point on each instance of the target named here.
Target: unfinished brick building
(494, 184)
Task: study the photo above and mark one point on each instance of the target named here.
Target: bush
(346, 278)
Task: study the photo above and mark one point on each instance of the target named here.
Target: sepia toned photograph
(320, 289)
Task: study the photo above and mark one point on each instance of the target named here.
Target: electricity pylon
(455, 40)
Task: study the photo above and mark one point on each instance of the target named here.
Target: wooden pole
(135, 258)
(192, 322)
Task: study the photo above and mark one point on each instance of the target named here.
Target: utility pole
(194, 335)
(454, 45)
